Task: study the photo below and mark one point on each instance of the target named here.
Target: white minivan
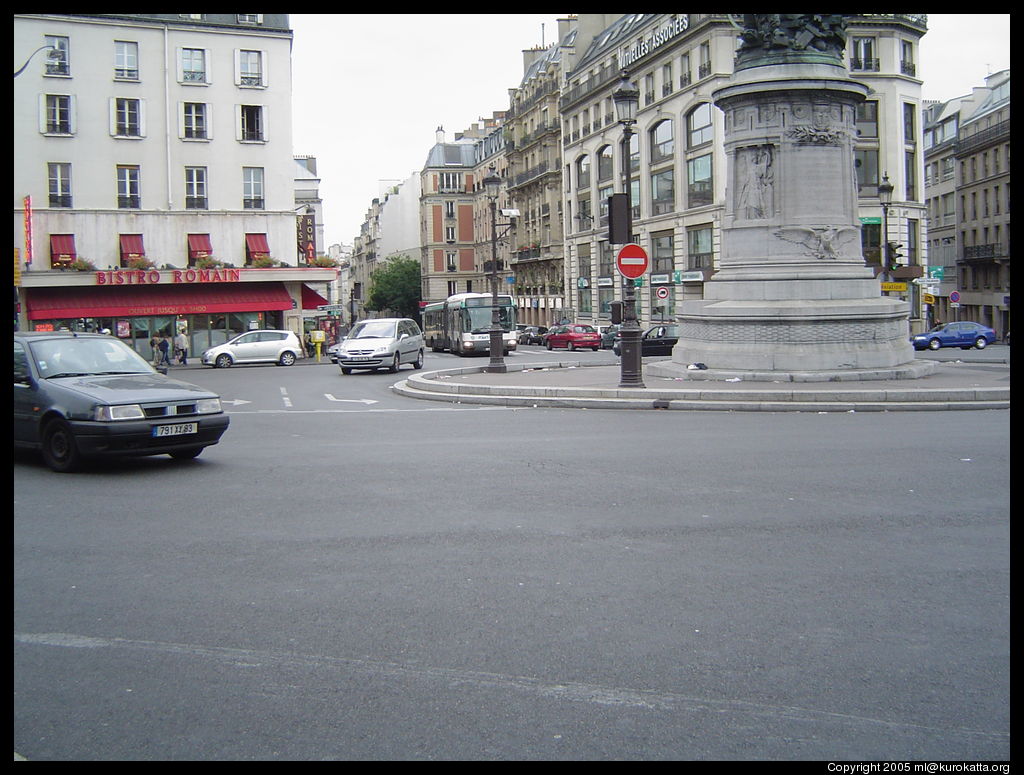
(381, 343)
(263, 346)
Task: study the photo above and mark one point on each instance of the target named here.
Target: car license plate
(359, 358)
(180, 429)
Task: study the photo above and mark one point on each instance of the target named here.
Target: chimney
(440, 134)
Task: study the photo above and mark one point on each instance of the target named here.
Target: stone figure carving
(823, 242)
(756, 182)
(798, 31)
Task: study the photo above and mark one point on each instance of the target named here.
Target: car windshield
(583, 330)
(373, 329)
(81, 356)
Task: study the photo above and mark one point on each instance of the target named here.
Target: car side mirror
(20, 376)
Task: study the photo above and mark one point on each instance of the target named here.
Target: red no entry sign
(632, 261)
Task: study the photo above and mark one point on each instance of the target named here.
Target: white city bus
(461, 323)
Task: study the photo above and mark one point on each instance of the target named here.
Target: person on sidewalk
(165, 348)
(181, 348)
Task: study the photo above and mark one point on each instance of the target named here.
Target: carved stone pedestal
(793, 293)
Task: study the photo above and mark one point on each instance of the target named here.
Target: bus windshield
(477, 320)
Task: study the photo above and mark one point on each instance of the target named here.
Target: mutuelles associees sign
(171, 277)
(657, 38)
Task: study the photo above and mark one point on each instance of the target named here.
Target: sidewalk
(954, 385)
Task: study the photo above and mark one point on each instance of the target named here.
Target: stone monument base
(673, 370)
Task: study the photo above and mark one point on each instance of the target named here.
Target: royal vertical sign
(307, 238)
(632, 261)
(28, 231)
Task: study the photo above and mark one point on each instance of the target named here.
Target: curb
(432, 386)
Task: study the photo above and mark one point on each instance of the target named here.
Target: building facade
(676, 162)
(154, 176)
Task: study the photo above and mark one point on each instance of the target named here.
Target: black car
(656, 340)
(532, 334)
(89, 395)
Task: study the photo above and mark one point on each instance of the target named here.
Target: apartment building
(677, 163)
(154, 176)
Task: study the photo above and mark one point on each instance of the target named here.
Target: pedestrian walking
(154, 345)
(181, 348)
(164, 347)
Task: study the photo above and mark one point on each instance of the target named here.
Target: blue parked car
(964, 335)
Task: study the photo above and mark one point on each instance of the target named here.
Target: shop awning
(257, 245)
(131, 245)
(311, 299)
(62, 248)
(147, 300)
(199, 246)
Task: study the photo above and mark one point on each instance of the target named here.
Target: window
(584, 260)
(194, 121)
(57, 114)
(128, 188)
(252, 188)
(127, 117)
(699, 244)
(193, 65)
(450, 181)
(251, 123)
(704, 68)
(866, 164)
(662, 250)
(698, 124)
(126, 59)
(699, 182)
(583, 173)
(59, 63)
(667, 86)
(605, 163)
(663, 192)
(907, 66)
(909, 122)
(250, 18)
(195, 188)
(449, 209)
(862, 54)
(451, 262)
(250, 68)
(662, 143)
(867, 119)
(58, 175)
(910, 172)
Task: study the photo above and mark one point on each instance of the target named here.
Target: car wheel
(549, 344)
(418, 363)
(395, 364)
(59, 448)
(934, 344)
(186, 454)
(222, 362)
(571, 347)
(981, 343)
(595, 349)
(287, 359)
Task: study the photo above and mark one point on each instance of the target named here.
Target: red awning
(146, 300)
(62, 248)
(131, 245)
(311, 299)
(256, 244)
(199, 245)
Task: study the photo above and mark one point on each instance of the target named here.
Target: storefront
(209, 305)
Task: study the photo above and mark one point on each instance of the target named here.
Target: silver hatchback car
(264, 346)
(381, 343)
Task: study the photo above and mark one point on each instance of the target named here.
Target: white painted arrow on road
(329, 397)
(235, 401)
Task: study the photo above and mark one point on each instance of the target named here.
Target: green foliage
(396, 287)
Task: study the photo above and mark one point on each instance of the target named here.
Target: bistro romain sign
(658, 38)
(174, 276)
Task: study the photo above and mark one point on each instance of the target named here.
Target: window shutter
(42, 113)
(113, 116)
(238, 122)
(238, 69)
(181, 120)
(180, 66)
(142, 118)
(73, 113)
(264, 68)
(209, 119)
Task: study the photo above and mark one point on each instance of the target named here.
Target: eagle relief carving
(822, 242)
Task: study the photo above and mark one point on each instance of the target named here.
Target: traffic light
(616, 310)
(618, 219)
(893, 254)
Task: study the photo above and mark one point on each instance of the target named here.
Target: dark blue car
(963, 334)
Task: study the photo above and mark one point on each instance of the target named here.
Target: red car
(573, 336)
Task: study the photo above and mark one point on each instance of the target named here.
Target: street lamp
(626, 97)
(55, 55)
(885, 198)
(492, 185)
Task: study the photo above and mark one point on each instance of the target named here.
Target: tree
(396, 287)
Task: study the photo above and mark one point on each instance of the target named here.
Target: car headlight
(120, 412)
(208, 406)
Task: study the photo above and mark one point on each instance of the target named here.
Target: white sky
(371, 89)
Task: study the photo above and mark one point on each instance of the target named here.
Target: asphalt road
(340, 579)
